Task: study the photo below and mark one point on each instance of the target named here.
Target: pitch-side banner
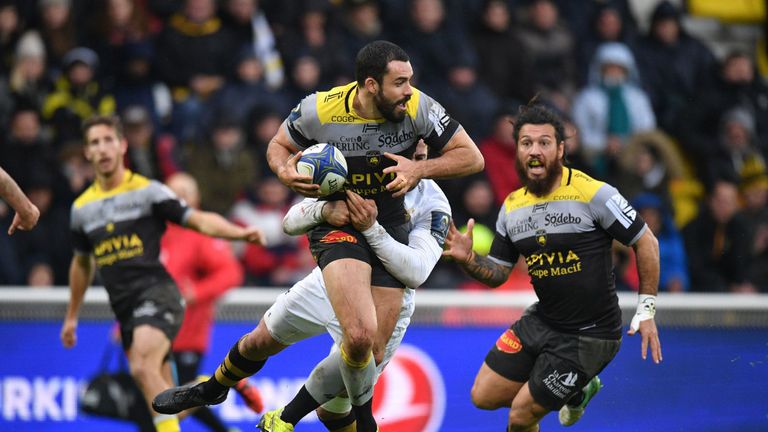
(710, 380)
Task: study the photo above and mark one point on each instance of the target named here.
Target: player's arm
(282, 157)
(215, 225)
(460, 157)
(26, 213)
(411, 264)
(310, 213)
(81, 271)
(648, 265)
(459, 247)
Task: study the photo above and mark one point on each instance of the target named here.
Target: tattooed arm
(459, 247)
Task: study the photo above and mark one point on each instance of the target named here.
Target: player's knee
(358, 342)
(378, 355)
(481, 400)
(141, 370)
(522, 420)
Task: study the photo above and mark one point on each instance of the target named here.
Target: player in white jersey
(305, 311)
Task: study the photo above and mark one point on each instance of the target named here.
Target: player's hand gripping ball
(326, 165)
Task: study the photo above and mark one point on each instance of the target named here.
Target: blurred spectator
(204, 268)
(136, 84)
(306, 74)
(29, 81)
(499, 153)
(117, 24)
(611, 107)
(605, 26)
(718, 244)
(285, 259)
(504, 66)
(77, 95)
(737, 86)
(58, 30)
(150, 153)
(11, 28)
(38, 255)
(737, 155)
(251, 28)
(433, 44)
(574, 151)
(754, 192)
(222, 165)
(551, 47)
(362, 24)
(649, 163)
(317, 38)
(76, 171)
(194, 56)
(245, 91)
(468, 100)
(672, 255)
(674, 65)
(26, 151)
(262, 125)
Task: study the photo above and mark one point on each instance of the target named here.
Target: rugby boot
(177, 399)
(570, 414)
(251, 395)
(271, 422)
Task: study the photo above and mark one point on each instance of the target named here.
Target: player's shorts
(157, 303)
(556, 365)
(329, 243)
(305, 311)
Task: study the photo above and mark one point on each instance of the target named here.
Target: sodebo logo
(410, 394)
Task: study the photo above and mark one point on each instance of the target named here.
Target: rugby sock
(325, 381)
(166, 423)
(344, 424)
(358, 379)
(234, 368)
(301, 405)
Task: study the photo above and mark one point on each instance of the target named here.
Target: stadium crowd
(203, 85)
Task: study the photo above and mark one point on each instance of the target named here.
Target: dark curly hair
(535, 112)
(372, 60)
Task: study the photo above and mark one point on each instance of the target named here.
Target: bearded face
(393, 111)
(539, 162)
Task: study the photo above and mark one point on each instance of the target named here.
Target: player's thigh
(348, 283)
(525, 410)
(491, 390)
(388, 302)
(297, 314)
(150, 343)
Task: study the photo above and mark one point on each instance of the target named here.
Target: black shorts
(158, 303)
(556, 365)
(329, 243)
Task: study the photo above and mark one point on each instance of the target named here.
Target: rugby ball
(326, 165)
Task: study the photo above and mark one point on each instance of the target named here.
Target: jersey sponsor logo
(337, 236)
(331, 96)
(343, 119)
(523, 225)
(368, 178)
(373, 158)
(439, 119)
(621, 209)
(410, 395)
(552, 264)
(540, 207)
(439, 227)
(541, 237)
(117, 248)
(371, 127)
(392, 139)
(557, 219)
(561, 384)
(509, 343)
(350, 144)
(566, 198)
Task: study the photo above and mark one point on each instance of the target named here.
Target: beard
(541, 186)
(387, 108)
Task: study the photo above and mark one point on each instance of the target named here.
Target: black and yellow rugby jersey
(328, 117)
(122, 228)
(566, 238)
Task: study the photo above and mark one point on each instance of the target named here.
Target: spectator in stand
(249, 23)
(317, 38)
(737, 155)
(468, 100)
(362, 24)
(262, 123)
(754, 193)
(504, 66)
(499, 153)
(11, 29)
(605, 26)
(150, 153)
(204, 268)
(674, 266)
(194, 56)
(26, 151)
(674, 65)
(285, 259)
(306, 74)
(58, 30)
(551, 47)
(75, 170)
(433, 43)
(611, 107)
(29, 81)
(222, 164)
(737, 86)
(718, 245)
(77, 95)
